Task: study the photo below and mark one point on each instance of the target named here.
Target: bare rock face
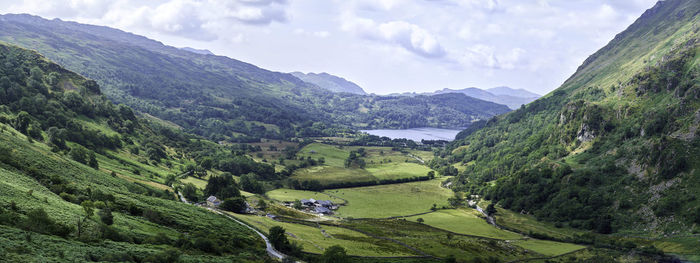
(585, 134)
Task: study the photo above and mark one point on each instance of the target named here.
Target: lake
(417, 134)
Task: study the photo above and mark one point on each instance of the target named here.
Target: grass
(382, 163)
(27, 194)
(526, 224)
(437, 243)
(397, 170)
(291, 195)
(199, 183)
(392, 199)
(464, 221)
(314, 241)
(547, 248)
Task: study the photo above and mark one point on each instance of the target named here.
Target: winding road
(270, 249)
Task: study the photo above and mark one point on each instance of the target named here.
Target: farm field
(547, 248)
(382, 163)
(314, 241)
(392, 199)
(464, 221)
(291, 195)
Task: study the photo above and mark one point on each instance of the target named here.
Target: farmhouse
(213, 201)
(323, 210)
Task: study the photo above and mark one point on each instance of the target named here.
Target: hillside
(215, 96)
(513, 98)
(83, 179)
(614, 149)
(330, 82)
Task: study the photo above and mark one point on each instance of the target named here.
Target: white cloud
(484, 56)
(409, 36)
(195, 19)
(380, 43)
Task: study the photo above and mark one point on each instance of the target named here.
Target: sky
(385, 46)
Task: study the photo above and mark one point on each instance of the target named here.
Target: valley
(118, 148)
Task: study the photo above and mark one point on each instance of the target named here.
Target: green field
(464, 221)
(391, 200)
(547, 248)
(528, 224)
(291, 195)
(382, 163)
(314, 241)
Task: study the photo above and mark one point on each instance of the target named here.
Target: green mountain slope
(615, 148)
(213, 96)
(69, 159)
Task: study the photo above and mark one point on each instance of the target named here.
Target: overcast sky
(385, 46)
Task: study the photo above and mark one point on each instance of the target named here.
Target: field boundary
(307, 223)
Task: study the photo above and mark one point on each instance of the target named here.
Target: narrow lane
(270, 249)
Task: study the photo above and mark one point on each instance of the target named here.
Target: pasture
(464, 221)
(391, 200)
(291, 195)
(313, 240)
(382, 163)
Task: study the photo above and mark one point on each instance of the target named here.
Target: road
(270, 249)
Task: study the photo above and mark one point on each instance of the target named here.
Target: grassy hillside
(82, 179)
(222, 98)
(614, 148)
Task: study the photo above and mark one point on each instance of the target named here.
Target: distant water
(417, 134)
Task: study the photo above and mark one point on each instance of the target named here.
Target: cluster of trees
(315, 185)
(355, 160)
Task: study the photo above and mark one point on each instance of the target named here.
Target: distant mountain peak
(330, 82)
(504, 90)
(197, 51)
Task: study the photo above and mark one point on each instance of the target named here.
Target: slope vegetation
(58, 200)
(614, 148)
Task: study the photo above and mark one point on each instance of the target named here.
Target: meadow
(283, 194)
(313, 239)
(392, 199)
(382, 163)
(464, 221)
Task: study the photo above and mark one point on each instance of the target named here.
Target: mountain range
(330, 82)
(513, 98)
(219, 97)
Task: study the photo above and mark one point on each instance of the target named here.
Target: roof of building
(325, 202)
(212, 199)
(322, 210)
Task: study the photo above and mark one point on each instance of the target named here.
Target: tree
(79, 154)
(190, 192)
(297, 205)
(456, 200)
(335, 254)
(88, 207)
(236, 204)
(420, 220)
(250, 183)
(450, 259)
(92, 162)
(262, 205)
(106, 216)
(491, 209)
(278, 238)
